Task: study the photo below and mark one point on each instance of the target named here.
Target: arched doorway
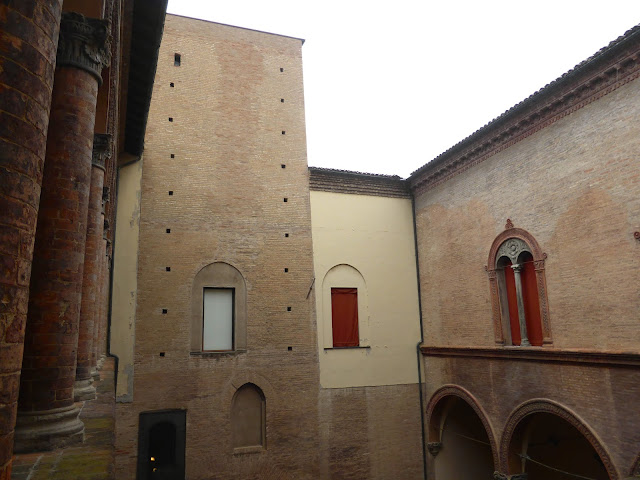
(550, 443)
(459, 443)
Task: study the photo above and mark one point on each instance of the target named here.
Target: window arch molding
(340, 276)
(219, 275)
(501, 324)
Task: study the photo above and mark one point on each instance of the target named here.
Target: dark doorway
(465, 447)
(161, 445)
(548, 447)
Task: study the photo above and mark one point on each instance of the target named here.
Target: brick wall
(230, 136)
(573, 185)
(371, 432)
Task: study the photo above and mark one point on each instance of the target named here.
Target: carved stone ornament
(508, 225)
(101, 150)
(512, 248)
(105, 230)
(84, 43)
(500, 476)
(434, 448)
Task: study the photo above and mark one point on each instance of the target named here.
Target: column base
(48, 429)
(95, 374)
(84, 390)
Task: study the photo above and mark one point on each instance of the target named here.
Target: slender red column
(47, 416)
(91, 283)
(28, 43)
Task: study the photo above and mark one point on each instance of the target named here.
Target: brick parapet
(28, 43)
(358, 183)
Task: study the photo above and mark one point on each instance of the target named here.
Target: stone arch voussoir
(541, 405)
(456, 391)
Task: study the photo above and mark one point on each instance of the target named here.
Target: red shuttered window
(344, 317)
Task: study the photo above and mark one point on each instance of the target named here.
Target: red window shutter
(344, 317)
(531, 302)
(512, 298)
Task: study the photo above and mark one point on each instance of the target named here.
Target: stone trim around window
(219, 275)
(523, 240)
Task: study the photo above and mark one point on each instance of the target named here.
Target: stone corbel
(84, 43)
(434, 448)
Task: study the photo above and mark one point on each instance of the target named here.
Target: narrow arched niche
(248, 419)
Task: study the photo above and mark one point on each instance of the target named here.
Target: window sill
(360, 347)
(247, 450)
(229, 353)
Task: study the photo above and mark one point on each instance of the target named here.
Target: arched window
(248, 419)
(218, 310)
(344, 310)
(518, 289)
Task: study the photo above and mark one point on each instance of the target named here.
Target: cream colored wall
(367, 242)
(125, 272)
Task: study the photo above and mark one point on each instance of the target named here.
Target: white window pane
(217, 332)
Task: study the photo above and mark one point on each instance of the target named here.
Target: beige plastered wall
(125, 284)
(367, 242)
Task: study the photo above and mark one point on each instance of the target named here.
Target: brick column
(28, 42)
(93, 258)
(47, 416)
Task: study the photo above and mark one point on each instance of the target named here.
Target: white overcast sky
(389, 85)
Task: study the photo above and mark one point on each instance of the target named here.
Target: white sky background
(391, 85)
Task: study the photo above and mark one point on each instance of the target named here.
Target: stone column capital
(84, 43)
(101, 150)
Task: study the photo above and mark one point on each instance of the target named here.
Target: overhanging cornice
(604, 72)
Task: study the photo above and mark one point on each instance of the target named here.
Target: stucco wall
(367, 242)
(125, 276)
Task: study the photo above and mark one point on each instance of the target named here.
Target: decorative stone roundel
(512, 248)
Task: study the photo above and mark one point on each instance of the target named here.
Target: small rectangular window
(176, 60)
(344, 317)
(217, 327)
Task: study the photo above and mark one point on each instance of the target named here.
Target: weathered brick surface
(358, 183)
(227, 206)
(574, 186)
(48, 369)
(371, 432)
(28, 40)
